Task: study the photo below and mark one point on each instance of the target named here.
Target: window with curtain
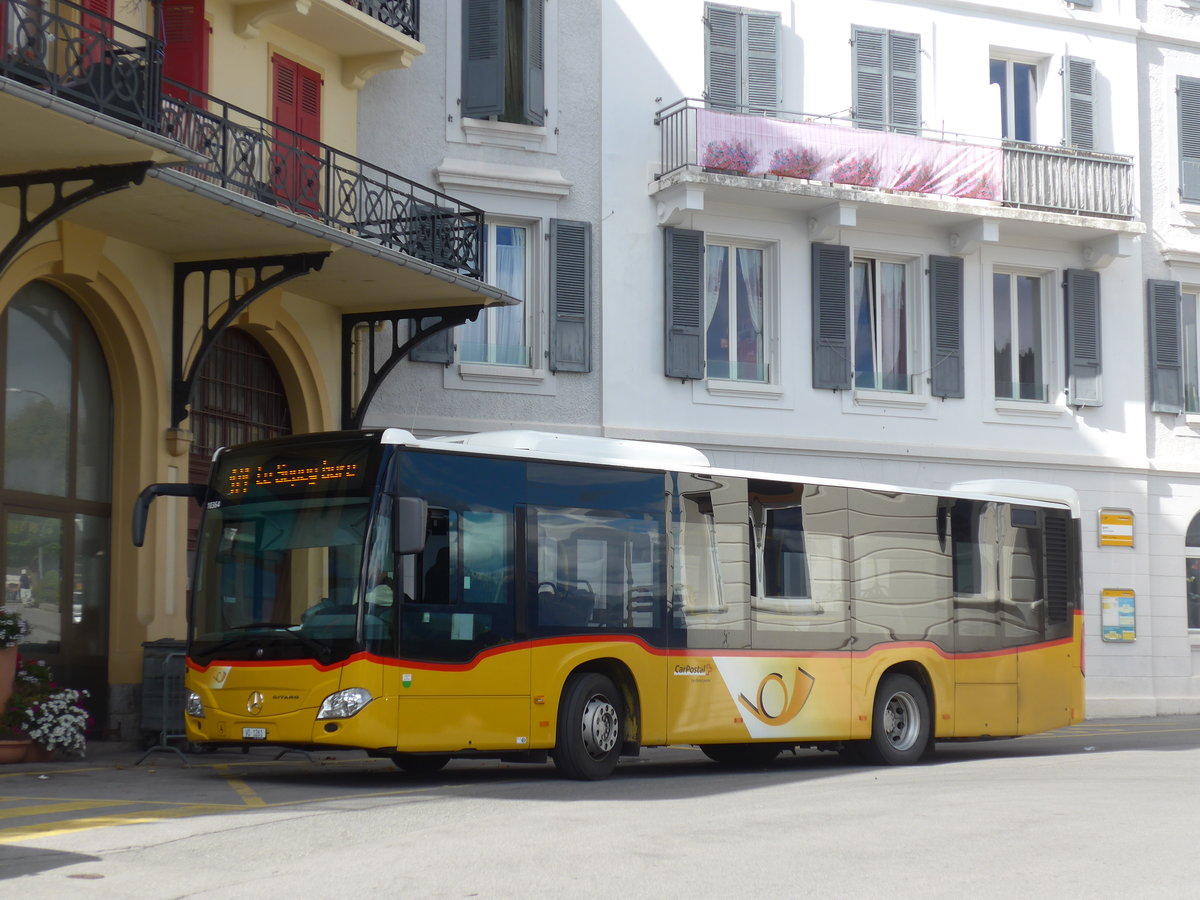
(1192, 571)
(881, 326)
(500, 335)
(1018, 95)
(1190, 339)
(733, 312)
(1019, 328)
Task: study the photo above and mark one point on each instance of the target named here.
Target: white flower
(59, 722)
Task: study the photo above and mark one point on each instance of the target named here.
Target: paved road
(1110, 808)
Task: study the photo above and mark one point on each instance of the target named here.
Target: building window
(733, 311)
(1192, 571)
(1018, 95)
(1191, 352)
(504, 72)
(500, 335)
(56, 462)
(741, 59)
(887, 79)
(881, 326)
(1189, 138)
(1019, 329)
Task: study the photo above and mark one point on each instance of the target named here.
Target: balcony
(253, 157)
(227, 182)
(370, 36)
(831, 159)
(60, 64)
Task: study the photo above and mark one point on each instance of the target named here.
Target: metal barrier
(163, 701)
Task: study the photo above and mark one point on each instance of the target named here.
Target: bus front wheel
(900, 723)
(590, 722)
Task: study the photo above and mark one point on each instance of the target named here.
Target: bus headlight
(344, 704)
(194, 707)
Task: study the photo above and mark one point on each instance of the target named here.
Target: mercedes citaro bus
(523, 595)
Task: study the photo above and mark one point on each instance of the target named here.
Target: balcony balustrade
(832, 151)
(403, 15)
(268, 163)
(63, 49)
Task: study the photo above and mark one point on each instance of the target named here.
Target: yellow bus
(525, 595)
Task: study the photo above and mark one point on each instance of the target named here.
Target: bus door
(461, 677)
(595, 558)
(984, 639)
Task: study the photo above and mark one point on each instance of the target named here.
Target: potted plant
(41, 718)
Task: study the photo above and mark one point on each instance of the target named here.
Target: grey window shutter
(684, 266)
(437, 347)
(831, 316)
(535, 62)
(904, 81)
(1165, 305)
(945, 322)
(1079, 86)
(1189, 138)
(762, 62)
(570, 296)
(483, 58)
(869, 77)
(1082, 305)
(721, 57)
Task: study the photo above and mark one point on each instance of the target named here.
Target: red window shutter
(95, 29)
(284, 81)
(296, 106)
(185, 33)
(308, 109)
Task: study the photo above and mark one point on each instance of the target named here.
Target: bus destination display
(322, 473)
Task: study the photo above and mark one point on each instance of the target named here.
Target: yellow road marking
(243, 790)
(46, 809)
(53, 829)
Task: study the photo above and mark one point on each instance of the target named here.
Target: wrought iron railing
(1014, 174)
(63, 49)
(403, 15)
(271, 164)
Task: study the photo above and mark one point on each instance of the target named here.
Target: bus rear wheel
(900, 723)
(741, 756)
(420, 763)
(591, 718)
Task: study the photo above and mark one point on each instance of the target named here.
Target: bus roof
(531, 444)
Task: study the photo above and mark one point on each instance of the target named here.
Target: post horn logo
(768, 700)
(254, 703)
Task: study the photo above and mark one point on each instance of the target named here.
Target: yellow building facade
(190, 254)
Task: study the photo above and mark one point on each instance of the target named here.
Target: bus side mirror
(141, 509)
(408, 524)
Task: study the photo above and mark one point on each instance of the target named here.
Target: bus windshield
(281, 557)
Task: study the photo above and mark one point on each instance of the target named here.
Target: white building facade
(912, 243)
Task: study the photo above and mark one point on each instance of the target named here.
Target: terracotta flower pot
(15, 751)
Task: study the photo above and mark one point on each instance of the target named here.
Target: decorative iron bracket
(288, 267)
(424, 323)
(99, 180)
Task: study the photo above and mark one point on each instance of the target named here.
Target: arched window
(239, 397)
(1192, 562)
(55, 484)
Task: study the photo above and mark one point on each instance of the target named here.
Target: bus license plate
(254, 734)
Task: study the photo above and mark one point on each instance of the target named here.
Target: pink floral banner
(757, 145)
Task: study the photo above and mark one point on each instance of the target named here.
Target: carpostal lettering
(694, 670)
